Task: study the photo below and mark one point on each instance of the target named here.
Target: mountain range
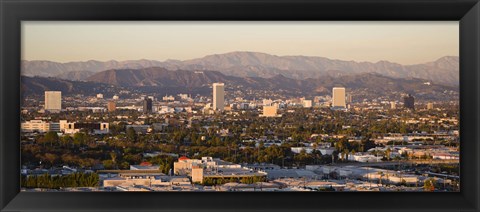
(38, 85)
(445, 70)
(159, 81)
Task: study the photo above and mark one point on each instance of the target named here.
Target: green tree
(131, 134)
(113, 156)
(367, 144)
(108, 164)
(51, 137)
(387, 153)
(79, 139)
(429, 184)
(66, 140)
(51, 158)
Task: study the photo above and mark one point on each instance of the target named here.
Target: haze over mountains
(161, 77)
(249, 65)
(160, 81)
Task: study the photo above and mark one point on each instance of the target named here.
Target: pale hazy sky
(401, 42)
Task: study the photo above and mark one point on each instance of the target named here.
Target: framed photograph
(239, 105)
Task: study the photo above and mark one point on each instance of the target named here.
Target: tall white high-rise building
(53, 100)
(218, 96)
(338, 97)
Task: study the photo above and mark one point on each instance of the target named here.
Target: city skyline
(242, 121)
(398, 42)
(281, 143)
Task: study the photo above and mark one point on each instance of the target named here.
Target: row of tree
(60, 181)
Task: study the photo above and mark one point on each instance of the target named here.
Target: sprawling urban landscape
(226, 143)
(212, 106)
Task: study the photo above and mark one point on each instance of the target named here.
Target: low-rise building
(144, 166)
(39, 126)
(270, 111)
(362, 157)
(144, 179)
(74, 127)
(309, 150)
(367, 173)
(139, 128)
(445, 156)
(213, 169)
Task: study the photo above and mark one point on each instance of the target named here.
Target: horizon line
(230, 52)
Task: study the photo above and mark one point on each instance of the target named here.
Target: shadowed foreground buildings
(143, 177)
(213, 174)
(213, 170)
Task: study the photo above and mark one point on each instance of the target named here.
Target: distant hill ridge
(445, 70)
(161, 77)
(159, 81)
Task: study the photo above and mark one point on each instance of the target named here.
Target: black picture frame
(14, 11)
